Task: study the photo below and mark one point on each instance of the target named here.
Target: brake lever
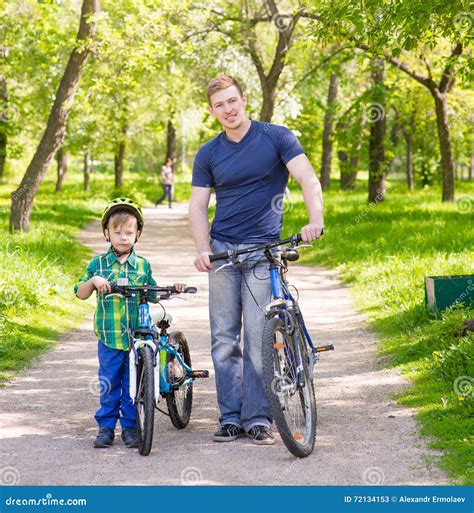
(224, 265)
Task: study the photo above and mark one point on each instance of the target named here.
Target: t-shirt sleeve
(86, 276)
(288, 145)
(202, 173)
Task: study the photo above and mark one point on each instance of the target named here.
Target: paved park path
(364, 437)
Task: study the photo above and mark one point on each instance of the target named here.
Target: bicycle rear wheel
(179, 400)
(145, 403)
(289, 387)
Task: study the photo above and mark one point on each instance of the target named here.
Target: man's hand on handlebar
(311, 232)
(180, 287)
(202, 262)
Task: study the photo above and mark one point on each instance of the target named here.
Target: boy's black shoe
(130, 437)
(261, 435)
(228, 433)
(105, 438)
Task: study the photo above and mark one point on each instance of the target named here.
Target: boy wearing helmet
(122, 224)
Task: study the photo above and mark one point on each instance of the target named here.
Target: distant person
(167, 183)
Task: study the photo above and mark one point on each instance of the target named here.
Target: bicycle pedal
(321, 349)
(198, 374)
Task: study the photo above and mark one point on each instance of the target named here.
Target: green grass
(384, 251)
(38, 269)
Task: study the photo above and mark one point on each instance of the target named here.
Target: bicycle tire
(180, 401)
(279, 374)
(145, 403)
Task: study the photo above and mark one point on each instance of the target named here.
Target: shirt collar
(111, 257)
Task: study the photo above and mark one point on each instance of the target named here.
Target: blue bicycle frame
(279, 293)
(149, 332)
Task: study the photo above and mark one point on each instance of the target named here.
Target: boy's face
(122, 236)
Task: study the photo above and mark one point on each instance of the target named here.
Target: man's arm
(198, 217)
(302, 171)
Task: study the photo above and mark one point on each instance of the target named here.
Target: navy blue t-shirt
(249, 178)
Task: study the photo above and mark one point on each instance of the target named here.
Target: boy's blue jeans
(115, 402)
(240, 392)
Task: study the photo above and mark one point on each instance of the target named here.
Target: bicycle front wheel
(145, 403)
(180, 398)
(289, 387)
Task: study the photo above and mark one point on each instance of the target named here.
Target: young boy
(122, 224)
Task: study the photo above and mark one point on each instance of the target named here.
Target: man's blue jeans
(237, 298)
(115, 402)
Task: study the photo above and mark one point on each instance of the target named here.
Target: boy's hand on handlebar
(311, 232)
(180, 287)
(101, 284)
(202, 262)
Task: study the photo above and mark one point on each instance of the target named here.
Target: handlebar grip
(190, 290)
(219, 256)
(299, 238)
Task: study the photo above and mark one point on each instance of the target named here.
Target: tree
(377, 169)
(23, 197)
(385, 30)
(328, 133)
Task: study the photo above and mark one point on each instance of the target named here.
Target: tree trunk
(118, 163)
(268, 104)
(447, 164)
(3, 125)
(3, 115)
(62, 158)
(471, 166)
(328, 133)
(348, 167)
(409, 160)
(171, 141)
(377, 133)
(87, 171)
(23, 197)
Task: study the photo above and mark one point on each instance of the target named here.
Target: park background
(378, 93)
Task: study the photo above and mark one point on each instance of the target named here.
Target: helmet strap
(118, 254)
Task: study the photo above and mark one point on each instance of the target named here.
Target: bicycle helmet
(122, 204)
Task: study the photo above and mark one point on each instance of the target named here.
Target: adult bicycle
(288, 353)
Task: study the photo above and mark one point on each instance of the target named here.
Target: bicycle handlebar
(166, 291)
(293, 240)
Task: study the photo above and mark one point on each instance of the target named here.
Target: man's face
(228, 107)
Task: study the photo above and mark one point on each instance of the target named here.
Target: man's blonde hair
(219, 83)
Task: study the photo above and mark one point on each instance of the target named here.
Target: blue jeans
(240, 393)
(115, 402)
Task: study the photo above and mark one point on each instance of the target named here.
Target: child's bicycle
(160, 365)
(288, 353)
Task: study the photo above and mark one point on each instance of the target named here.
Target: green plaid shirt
(114, 315)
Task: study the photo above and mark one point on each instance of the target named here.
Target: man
(247, 164)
